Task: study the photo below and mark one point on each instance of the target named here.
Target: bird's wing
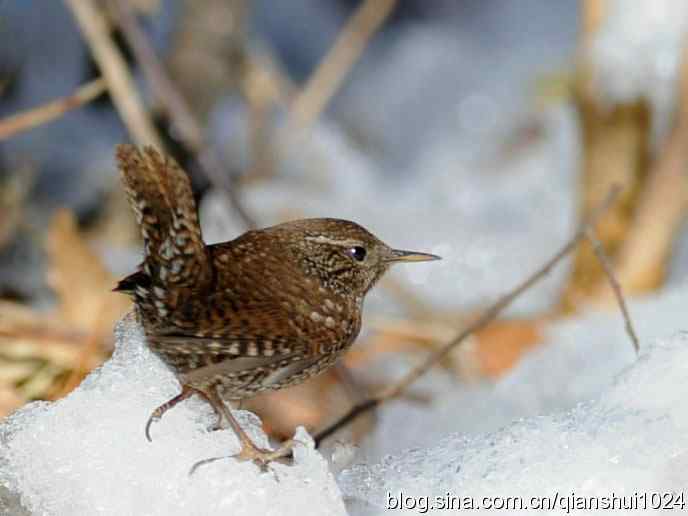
(266, 345)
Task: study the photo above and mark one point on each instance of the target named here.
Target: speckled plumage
(267, 310)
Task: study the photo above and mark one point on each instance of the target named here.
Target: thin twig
(488, 316)
(614, 283)
(50, 111)
(326, 79)
(177, 109)
(96, 32)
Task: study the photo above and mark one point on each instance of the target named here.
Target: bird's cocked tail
(175, 257)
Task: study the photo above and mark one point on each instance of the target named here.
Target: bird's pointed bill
(412, 256)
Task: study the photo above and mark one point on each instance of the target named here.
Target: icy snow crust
(87, 454)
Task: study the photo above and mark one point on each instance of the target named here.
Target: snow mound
(631, 441)
(87, 454)
(577, 361)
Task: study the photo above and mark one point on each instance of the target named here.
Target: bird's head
(343, 256)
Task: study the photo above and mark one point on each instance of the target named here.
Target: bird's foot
(261, 457)
(187, 391)
(158, 412)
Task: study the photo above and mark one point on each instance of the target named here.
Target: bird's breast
(328, 322)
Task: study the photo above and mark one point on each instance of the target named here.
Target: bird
(267, 310)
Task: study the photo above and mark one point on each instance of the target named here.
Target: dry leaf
(503, 343)
(82, 283)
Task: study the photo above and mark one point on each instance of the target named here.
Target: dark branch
(616, 286)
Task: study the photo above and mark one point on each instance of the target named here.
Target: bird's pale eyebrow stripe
(321, 239)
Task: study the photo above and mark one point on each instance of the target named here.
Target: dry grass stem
(644, 254)
(13, 193)
(96, 31)
(616, 150)
(162, 87)
(592, 14)
(334, 67)
(35, 117)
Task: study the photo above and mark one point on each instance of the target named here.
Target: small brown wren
(264, 311)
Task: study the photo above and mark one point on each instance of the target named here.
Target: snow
(580, 414)
(636, 53)
(632, 439)
(577, 360)
(87, 454)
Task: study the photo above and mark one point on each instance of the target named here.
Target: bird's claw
(261, 457)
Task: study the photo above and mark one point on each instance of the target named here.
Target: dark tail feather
(129, 284)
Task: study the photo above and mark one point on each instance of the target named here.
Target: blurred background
(479, 130)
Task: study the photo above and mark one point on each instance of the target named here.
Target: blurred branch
(161, 85)
(264, 69)
(616, 287)
(96, 32)
(13, 193)
(259, 91)
(592, 14)
(640, 233)
(348, 47)
(177, 109)
(32, 118)
(487, 317)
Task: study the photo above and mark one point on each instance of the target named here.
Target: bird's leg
(187, 391)
(249, 451)
(218, 413)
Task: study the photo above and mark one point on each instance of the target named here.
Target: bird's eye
(358, 253)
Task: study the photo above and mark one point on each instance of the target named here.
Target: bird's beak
(411, 256)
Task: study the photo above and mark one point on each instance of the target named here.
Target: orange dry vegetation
(45, 354)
